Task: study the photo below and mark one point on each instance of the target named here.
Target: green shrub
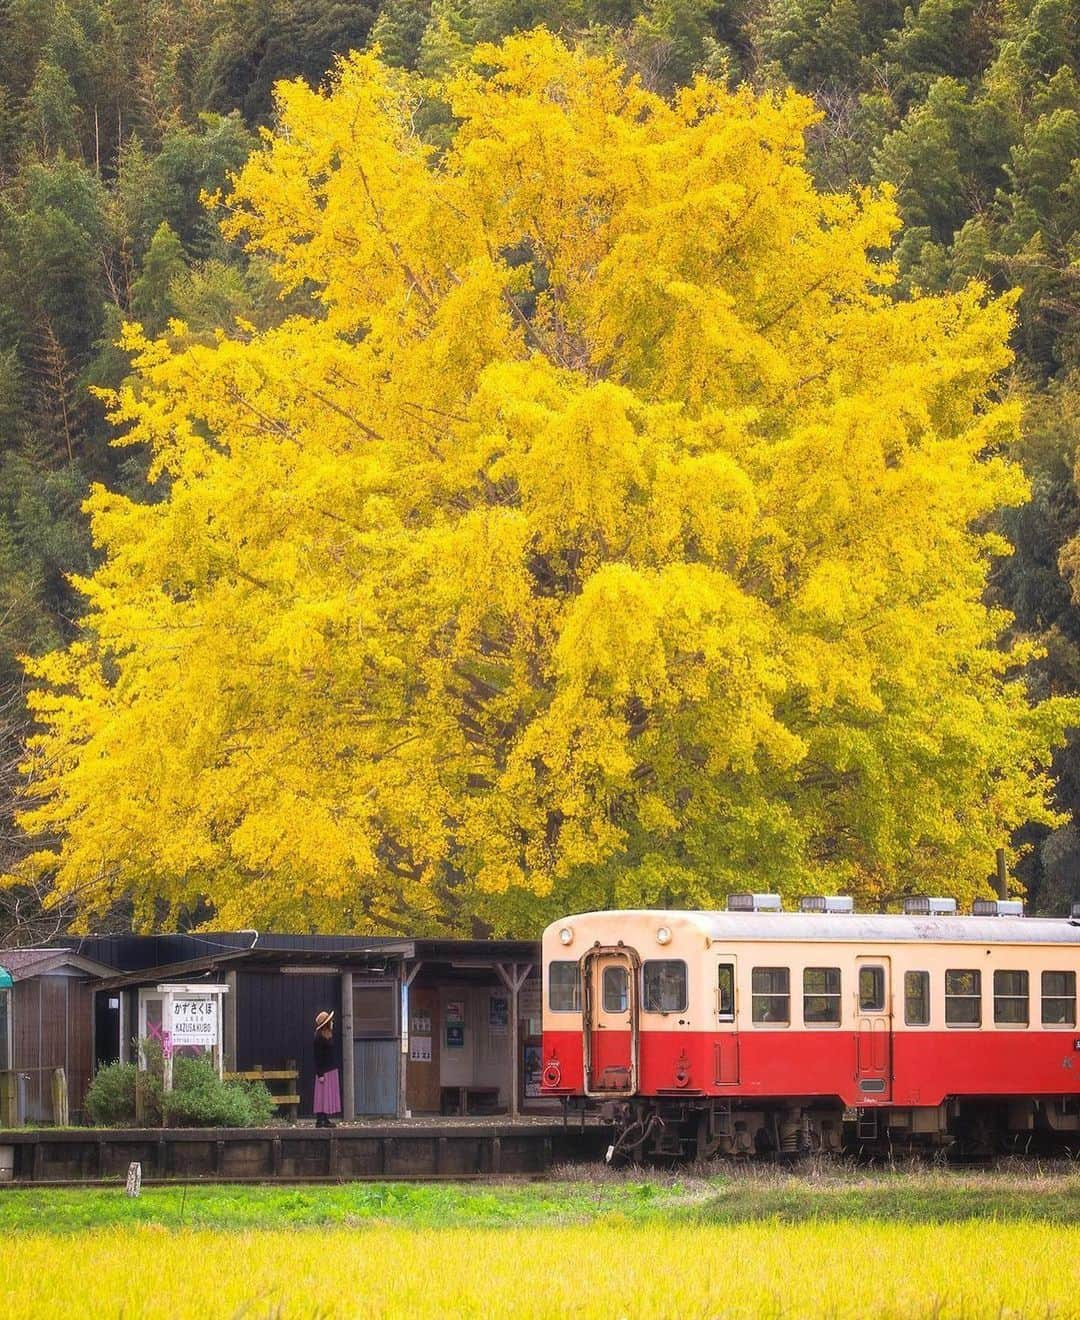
(122, 1094)
(200, 1099)
(151, 1084)
(110, 1101)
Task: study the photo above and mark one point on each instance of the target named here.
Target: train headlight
(566, 935)
(663, 935)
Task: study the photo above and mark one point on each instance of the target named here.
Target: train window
(770, 994)
(1011, 998)
(821, 994)
(963, 998)
(664, 981)
(1059, 999)
(616, 990)
(871, 989)
(725, 992)
(564, 987)
(917, 999)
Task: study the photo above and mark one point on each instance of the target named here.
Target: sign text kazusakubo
(194, 1022)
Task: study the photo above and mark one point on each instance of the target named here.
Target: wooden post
(1002, 875)
(348, 1053)
(60, 1097)
(9, 1098)
(514, 977)
(229, 1021)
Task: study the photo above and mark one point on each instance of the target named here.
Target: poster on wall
(421, 1023)
(420, 1049)
(455, 1035)
(498, 1015)
(455, 1010)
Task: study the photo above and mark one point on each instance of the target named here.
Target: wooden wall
(53, 1028)
(275, 1022)
(423, 1088)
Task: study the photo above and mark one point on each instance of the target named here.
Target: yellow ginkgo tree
(604, 533)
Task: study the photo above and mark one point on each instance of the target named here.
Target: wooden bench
(287, 1100)
(471, 1100)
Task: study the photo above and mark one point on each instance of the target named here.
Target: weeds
(728, 1194)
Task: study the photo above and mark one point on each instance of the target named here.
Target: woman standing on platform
(327, 1075)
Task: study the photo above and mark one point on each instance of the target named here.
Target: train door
(873, 1027)
(610, 981)
(726, 1039)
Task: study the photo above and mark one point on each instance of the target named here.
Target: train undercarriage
(687, 1129)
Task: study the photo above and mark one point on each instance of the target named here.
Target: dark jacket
(326, 1056)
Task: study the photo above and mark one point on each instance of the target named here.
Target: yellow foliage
(604, 533)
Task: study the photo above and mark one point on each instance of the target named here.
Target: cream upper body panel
(858, 927)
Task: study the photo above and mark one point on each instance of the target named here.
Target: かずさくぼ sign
(194, 1022)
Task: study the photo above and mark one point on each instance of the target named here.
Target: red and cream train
(759, 1030)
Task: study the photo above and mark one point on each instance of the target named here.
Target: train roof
(856, 927)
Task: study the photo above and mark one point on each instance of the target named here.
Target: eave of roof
(216, 962)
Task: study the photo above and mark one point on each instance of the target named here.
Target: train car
(759, 1031)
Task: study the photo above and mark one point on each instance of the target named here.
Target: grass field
(832, 1243)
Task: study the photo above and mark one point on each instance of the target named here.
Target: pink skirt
(328, 1093)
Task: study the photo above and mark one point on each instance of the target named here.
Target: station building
(424, 1027)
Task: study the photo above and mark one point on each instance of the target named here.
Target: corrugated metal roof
(353, 950)
(857, 927)
(130, 953)
(17, 960)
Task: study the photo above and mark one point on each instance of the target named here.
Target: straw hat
(324, 1020)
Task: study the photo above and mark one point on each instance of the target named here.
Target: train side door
(873, 1027)
(610, 982)
(726, 1038)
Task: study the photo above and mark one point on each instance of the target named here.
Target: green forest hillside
(117, 117)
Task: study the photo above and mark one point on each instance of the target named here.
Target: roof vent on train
(919, 905)
(754, 903)
(997, 907)
(1074, 915)
(826, 903)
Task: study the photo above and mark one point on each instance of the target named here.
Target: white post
(166, 1036)
(407, 979)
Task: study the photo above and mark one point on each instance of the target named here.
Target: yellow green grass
(1044, 1193)
(605, 1270)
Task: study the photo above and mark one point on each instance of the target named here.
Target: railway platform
(393, 1149)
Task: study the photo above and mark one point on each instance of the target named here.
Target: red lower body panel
(926, 1066)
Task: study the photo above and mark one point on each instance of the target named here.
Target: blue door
(376, 1067)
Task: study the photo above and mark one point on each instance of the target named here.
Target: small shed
(47, 1022)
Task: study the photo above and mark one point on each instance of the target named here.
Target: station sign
(194, 1022)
